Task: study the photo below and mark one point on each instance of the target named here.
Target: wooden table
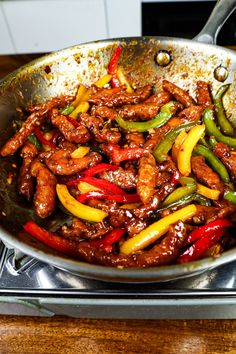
(68, 335)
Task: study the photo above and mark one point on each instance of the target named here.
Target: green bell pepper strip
(180, 193)
(223, 121)
(213, 161)
(161, 150)
(166, 112)
(211, 128)
(68, 109)
(212, 141)
(186, 180)
(230, 196)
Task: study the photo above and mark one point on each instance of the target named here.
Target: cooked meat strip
(205, 174)
(159, 98)
(45, 196)
(147, 177)
(55, 102)
(104, 112)
(36, 118)
(25, 180)
(124, 178)
(164, 252)
(134, 139)
(140, 111)
(114, 98)
(192, 113)
(60, 162)
(158, 133)
(79, 230)
(90, 121)
(181, 95)
(78, 135)
(203, 94)
(206, 214)
(135, 225)
(228, 157)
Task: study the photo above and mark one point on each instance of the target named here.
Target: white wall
(34, 26)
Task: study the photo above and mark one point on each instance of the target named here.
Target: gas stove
(31, 287)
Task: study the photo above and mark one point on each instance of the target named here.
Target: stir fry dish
(147, 178)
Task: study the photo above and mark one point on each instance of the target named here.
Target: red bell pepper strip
(124, 198)
(207, 229)
(101, 167)
(41, 138)
(51, 239)
(201, 246)
(118, 154)
(113, 66)
(109, 239)
(73, 121)
(100, 183)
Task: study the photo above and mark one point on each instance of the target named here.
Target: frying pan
(143, 60)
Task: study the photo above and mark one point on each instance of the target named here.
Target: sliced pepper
(51, 239)
(230, 196)
(100, 183)
(180, 193)
(185, 152)
(42, 139)
(109, 239)
(112, 67)
(196, 250)
(177, 144)
(120, 198)
(78, 209)
(211, 128)
(156, 230)
(85, 187)
(165, 114)
(208, 192)
(123, 81)
(161, 150)
(207, 229)
(224, 123)
(81, 151)
(213, 161)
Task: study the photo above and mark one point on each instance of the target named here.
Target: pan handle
(219, 15)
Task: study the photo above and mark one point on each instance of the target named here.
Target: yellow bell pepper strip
(225, 125)
(76, 208)
(85, 187)
(211, 129)
(177, 144)
(185, 153)
(83, 107)
(123, 81)
(156, 230)
(81, 151)
(161, 150)
(207, 192)
(104, 80)
(165, 114)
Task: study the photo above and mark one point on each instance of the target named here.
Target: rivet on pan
(221, 73)
(163, 57)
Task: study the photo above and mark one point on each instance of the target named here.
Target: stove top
(28, 286)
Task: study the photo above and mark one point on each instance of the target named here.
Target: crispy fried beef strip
(181, 95)
(205, 174)
(123, 178)
(36, 118)
(140, 111)
(228, 157)
(60, 162)
(114, 97)
(104, 112)
(134, 139)
(78, 135)
(203, 94)
(192, 113)
(159, 98)
(164, 252)
(147, 177)
(45, 196)
(79, 230)
(25, 180)
(206, 214)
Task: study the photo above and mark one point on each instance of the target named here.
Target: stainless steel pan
(144, 60)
